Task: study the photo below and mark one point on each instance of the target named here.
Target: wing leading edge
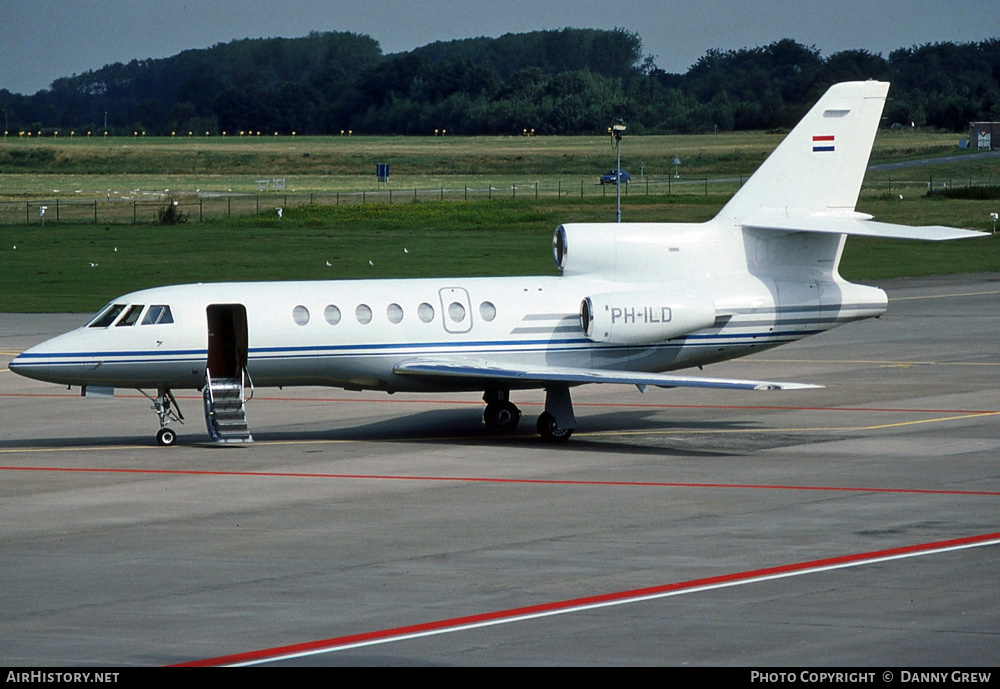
(472, 369)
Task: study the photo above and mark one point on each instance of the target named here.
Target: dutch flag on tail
(823, 143)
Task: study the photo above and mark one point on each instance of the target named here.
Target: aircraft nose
(32, 363)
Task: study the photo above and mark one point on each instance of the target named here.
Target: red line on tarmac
(500, 480)
(587, 602)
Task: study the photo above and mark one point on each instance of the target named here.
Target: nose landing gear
(166, 407)
(166, 437)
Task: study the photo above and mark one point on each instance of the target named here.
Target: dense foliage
(553, 82)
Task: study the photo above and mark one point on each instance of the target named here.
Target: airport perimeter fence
(147, 208)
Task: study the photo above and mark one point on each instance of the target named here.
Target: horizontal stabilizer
(471, 369)
(833, 224)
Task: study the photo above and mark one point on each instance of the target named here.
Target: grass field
(73, 166)
(51, 268)
(80, 267)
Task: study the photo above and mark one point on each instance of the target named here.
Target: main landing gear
(550, 430)
(165, 406)
(555, 424)
(501, 415)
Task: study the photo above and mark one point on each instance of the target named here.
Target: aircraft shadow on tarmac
(625, 431)
(632, 430)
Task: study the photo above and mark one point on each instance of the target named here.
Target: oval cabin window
(456, 312)
(332, 314)
(363, 313)
(488, 311)
(394, 312)
(300, 314)
(425, 312)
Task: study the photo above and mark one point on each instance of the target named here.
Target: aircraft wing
(472, 369)
(860, 225)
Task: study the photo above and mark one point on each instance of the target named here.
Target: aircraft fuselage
(352, 334)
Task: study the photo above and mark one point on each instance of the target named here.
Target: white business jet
(633, 301)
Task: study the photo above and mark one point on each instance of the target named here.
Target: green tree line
(569, 81)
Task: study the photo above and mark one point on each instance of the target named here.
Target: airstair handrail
(250, 379)
(208, 382)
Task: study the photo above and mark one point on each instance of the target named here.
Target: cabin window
(131, 316)
(394, 312)
(158, 314)
(332, 314)
(456, 312)
(363, 313)
(488, 311)
(300, 315)
(425, 312)
(108, 316)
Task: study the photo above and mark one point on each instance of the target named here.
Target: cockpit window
(131, 316)
(158, 314)
(108, 316)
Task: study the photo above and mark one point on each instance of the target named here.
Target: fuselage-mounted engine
(657, 265)
(643, 317)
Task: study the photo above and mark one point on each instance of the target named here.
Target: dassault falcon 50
(634, 302)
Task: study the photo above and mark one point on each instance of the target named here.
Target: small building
(984, 135)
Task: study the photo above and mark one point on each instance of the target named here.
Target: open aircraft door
(227, 340)
(226, 375)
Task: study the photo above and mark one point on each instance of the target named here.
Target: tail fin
(820, 165)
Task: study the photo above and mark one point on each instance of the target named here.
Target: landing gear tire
(166, 437)
(549, 431)
(501, 417)
(165, 406)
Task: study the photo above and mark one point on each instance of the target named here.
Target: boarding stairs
(225, 408)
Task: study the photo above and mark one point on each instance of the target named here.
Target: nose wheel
(166, 437)
(165, 406)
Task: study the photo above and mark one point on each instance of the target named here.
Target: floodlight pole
(617, 130)
(618, 185)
